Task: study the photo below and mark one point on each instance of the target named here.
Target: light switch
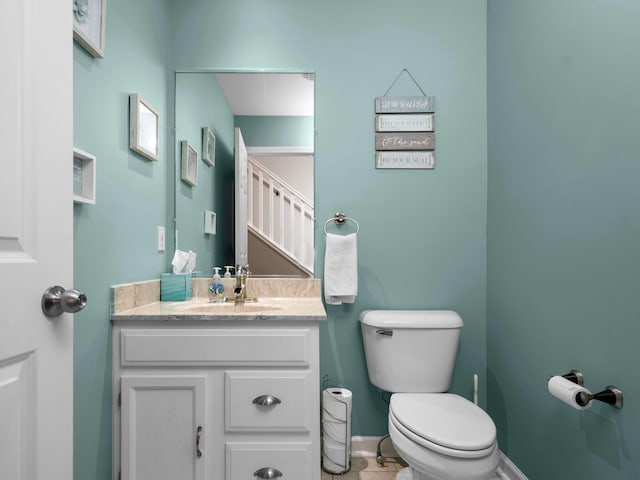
(161, 239)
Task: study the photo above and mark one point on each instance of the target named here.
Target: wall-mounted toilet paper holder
(611, 395)
(574, 376)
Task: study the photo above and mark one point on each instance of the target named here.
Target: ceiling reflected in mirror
(269, 94)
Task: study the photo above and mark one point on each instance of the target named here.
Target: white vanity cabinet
(234, 400)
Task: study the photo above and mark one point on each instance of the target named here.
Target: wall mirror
(264, 209)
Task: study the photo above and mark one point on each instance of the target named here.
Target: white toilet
(441, 436)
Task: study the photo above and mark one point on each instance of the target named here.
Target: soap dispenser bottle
(216, 288)
(227, 271)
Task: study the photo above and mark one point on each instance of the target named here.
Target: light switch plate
(161, 239)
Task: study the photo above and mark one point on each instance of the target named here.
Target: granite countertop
(299, 301)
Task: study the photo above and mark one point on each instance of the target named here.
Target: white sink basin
(228, 308)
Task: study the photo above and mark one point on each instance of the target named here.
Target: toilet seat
(444, 422)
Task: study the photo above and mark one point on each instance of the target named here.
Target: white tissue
(191, 262)
(183, 261)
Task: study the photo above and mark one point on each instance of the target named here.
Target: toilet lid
(444, 419)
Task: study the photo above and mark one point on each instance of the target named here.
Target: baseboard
(508, 471)
(367, 447)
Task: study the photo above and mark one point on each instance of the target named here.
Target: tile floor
(366, 468)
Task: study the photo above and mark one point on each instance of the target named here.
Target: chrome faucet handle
(242, 269)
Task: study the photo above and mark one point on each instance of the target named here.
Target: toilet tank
(411, 350)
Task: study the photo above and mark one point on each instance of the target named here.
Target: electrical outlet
(161, 239)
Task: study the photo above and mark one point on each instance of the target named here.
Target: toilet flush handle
(384, 331)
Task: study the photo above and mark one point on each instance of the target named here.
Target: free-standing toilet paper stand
(611, 395)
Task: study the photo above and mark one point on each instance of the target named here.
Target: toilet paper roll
(568, 392)
(337, 403)
(336, 429)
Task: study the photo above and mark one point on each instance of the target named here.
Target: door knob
(56, 300)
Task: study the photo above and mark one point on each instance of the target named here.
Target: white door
(241, 187)
(36, 240)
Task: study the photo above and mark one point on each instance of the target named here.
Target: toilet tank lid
(411, 318)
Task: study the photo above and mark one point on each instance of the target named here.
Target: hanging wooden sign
(405, 123)
(405, 130)
(405, 104)
(424, 160)
(406, 141)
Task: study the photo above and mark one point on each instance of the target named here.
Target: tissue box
(175, 287)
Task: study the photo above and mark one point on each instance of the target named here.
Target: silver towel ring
(340, 218)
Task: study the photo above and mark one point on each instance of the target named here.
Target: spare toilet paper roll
(337, 403)
(336, 429)
(568, 392)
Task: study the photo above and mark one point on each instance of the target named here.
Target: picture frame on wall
(89, 18)
(189, 157)
(208, 146)
(84, 177)
(143, 127)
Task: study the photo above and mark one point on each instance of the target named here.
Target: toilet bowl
(443, 436)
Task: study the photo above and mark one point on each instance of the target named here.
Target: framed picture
(208, 146)
(84, 177)
(209, 222)
(143, 127)
(89, 25)
(189, 163)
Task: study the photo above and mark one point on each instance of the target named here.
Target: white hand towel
(341, 269)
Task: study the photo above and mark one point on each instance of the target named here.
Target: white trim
(508, 471)
(367, 447)
(280, 151)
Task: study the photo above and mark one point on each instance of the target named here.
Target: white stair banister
(285, 222)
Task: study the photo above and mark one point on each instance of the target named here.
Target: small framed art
(189, 163)
(209, 222)
(208, 146)
(84, 177)
(143, 127)
(89, 25)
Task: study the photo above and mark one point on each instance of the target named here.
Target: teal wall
(422, 241)
(276, 131)
(201, 103)
(115, 239)
(564, 231)
(545, 282)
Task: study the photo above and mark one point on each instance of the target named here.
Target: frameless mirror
(273, 113)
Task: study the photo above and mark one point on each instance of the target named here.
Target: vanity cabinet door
(163, 430)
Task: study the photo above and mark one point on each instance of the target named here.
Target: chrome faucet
(240, 290)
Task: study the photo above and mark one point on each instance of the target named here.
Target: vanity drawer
(245, 460)
(274, 401)
(203, 347)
